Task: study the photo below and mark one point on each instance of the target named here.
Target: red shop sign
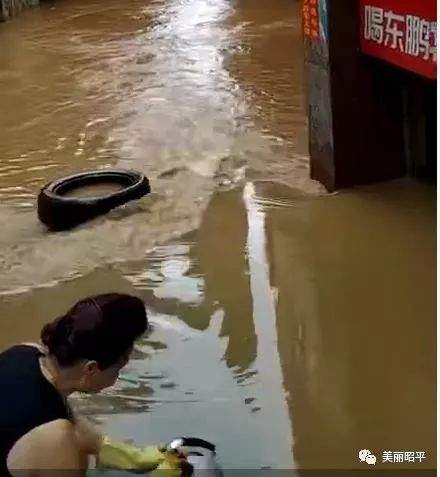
(402, 32)
(311, 19)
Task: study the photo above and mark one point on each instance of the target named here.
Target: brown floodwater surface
(290, 327)
(94, 190)
(188, 92)
(292, 336)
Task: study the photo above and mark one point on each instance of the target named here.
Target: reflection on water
(220, 363)
(356, 311)
(280, 338)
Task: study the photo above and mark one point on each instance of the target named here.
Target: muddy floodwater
(93, 190)
(291, 327)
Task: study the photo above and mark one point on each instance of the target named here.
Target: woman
(84, 350)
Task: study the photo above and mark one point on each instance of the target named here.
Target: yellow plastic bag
(170, 467)
(122, 456)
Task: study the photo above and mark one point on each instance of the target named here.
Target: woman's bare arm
(89, 438)
(52, 446)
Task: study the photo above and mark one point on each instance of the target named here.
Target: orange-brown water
(291, 327)
(194, 94)
(94, 190)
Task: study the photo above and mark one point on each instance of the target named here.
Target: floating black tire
(58, 211)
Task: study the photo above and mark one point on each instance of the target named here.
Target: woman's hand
(174, 464)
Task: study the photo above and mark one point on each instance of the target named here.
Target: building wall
(356, 128)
